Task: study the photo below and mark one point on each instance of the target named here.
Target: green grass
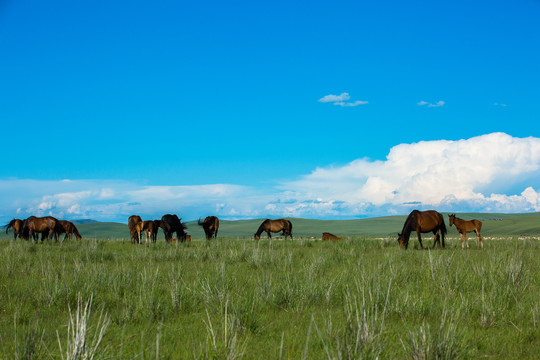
(237, 298)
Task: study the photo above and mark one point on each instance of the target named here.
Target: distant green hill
(493, 225)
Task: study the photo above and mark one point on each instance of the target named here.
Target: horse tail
(443, 228)
(9, 225)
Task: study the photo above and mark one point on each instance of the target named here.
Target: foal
(465, 226)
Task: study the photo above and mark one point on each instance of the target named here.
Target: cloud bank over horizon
(489, 173)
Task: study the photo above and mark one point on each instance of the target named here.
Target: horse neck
(458, 222)
(408, 226)
(260, 230)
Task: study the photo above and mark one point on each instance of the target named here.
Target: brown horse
(423, 222)
(151, 228)
(331, 237)
(16, 225)
(135, 225)
(465, 226)
(70, 229)
(47, 226)
(278, 225)
(210, 226)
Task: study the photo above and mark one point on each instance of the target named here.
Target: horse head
(402, 241)
(256, 236)
(451, 218)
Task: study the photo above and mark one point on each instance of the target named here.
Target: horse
(332, 237)
(135, 225)
(423, 222)
(151, 230)
(70, 229)
(210, 226)
(275, 226)
(47, 226)
(16, 225)
(465, 226)
(170, 224)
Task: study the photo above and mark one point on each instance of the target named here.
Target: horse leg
(480, 240)
(436, 240)
(269, 235)
(466, 241)
(419, 239)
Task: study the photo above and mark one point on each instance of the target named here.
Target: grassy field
(236, 298)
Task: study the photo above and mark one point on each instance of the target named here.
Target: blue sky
(223, 108)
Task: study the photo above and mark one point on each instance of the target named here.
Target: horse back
(429, 220)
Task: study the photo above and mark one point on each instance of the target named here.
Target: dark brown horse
(135, 225)
(47, 226)
(423, 222)
(151, 228)
(172, 224)
(210, 226)
(70, 229)
(465, 226)
(278, 225)
(16, 225)
(331, 237)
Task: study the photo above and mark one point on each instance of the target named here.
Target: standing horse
(465, 226)
(16, 225)
(170, 224)
(135, 225)
(423, 222)
(210, 226)
(47, 226)
(278, 225)
(151, 228)
(70, 229)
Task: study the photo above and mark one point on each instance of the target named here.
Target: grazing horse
(151, 230)
(170, 224)
(210, 226)
(278, 225)
(47, 226)
(465, 226)
(423, 222)
(16, 225)
(70, 229)
(135, 225)
(331, 237)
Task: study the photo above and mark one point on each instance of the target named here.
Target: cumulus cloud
(489, 173)
(455, 175)
(424, 103)
(341, 100)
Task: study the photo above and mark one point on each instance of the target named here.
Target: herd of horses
(49, 227)
(429, 221)
(170, 224)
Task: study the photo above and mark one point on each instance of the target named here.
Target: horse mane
(409, 222)
(261, 228)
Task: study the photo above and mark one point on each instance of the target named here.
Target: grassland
(301, 299)
(237, 298)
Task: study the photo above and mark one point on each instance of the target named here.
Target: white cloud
(437, 104)
(489, 173)
(341, 100)
(335, 98)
